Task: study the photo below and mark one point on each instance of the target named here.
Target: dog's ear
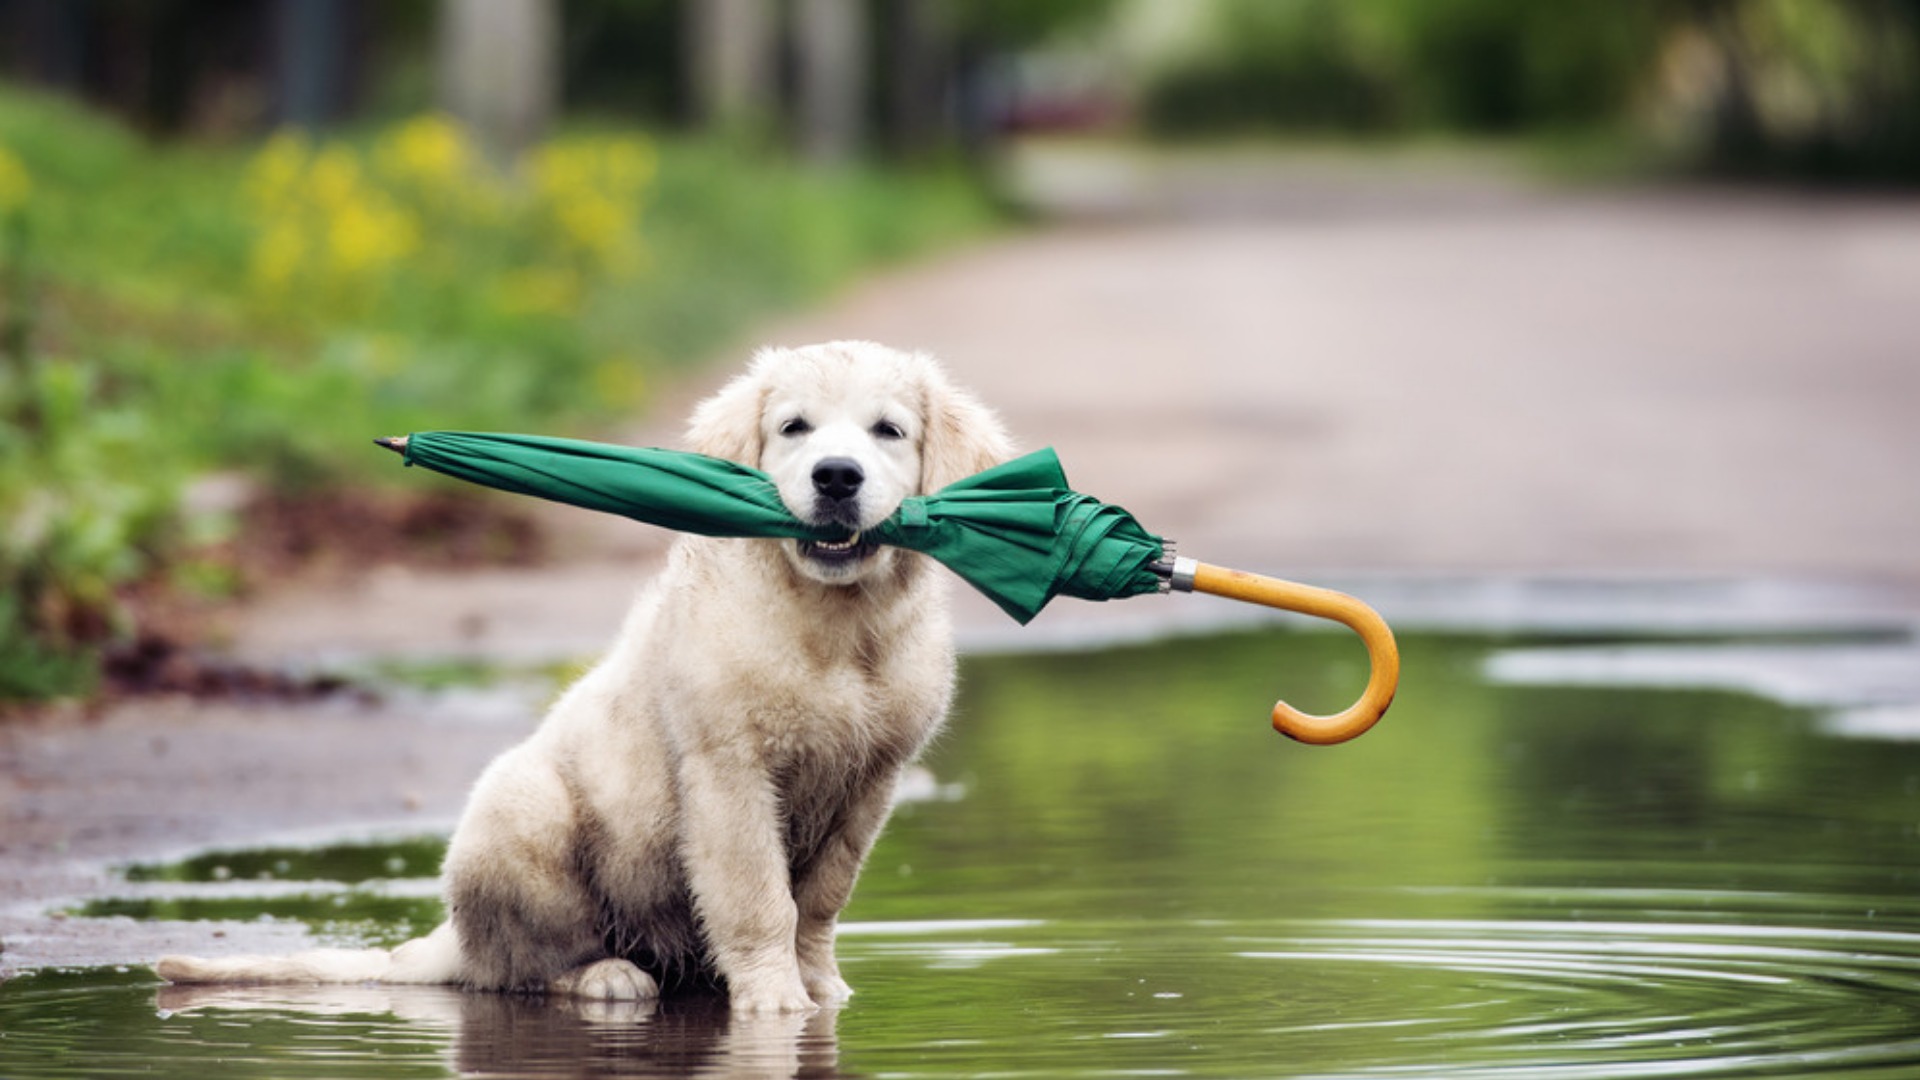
(962, 435)
(727, 425)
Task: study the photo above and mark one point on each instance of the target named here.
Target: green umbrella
(1017, 532)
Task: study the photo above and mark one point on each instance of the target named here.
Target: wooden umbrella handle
(1324, 604)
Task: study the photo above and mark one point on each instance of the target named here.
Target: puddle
(1127, 874)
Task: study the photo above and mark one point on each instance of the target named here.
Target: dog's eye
(887, 429)
(795, 426)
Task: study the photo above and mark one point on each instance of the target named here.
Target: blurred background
(237, 238)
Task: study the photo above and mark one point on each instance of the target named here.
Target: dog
(694, 811)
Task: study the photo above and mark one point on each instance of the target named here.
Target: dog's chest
(846, 720)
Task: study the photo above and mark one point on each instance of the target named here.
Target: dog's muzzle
(836, 486)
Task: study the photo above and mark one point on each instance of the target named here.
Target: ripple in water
(1628, 999)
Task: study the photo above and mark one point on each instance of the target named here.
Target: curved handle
(1325, 604)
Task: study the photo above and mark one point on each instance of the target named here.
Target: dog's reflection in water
(506, 1035)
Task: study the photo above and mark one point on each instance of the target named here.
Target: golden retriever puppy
(695, 809)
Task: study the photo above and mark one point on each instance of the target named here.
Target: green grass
(174, 309)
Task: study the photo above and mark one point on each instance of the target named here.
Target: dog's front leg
(736, 861)
(824, 886)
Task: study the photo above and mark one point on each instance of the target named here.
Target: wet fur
(695, 810)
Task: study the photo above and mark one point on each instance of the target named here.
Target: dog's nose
(838, 478)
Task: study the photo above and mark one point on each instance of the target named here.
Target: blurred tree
(629, 58)
(48, 39)
(218, 67)
(311, 37)
(1489, 66)
(931, 79)
(1309, 65)
(1806, 88)
(734, 48)
(916, 68)
(1013, 24)
(1506, 65)
(499, 70)
(830, 47)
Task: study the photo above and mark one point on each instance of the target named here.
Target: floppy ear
(727, 425)
(962, 436)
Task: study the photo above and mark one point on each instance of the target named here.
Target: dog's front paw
(786, 996)
(607, 980)
(827, 988)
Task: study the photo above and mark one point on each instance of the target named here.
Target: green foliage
(88, 483)
(185, 308)
(1396, 65)
(1821, 88)
(1013, 24)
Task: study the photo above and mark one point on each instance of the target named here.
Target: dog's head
(847, 430)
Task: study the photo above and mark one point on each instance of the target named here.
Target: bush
(1817, 89)
(1405, 65)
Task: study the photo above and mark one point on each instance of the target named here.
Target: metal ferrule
(1182, 577)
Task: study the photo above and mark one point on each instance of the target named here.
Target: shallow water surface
(1123, 872)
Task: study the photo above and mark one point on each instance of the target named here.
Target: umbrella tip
(395, 443)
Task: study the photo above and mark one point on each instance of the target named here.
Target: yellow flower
(557, 171)
(593, 222)
(335, 177)
(370, 234)
(590, 188)
(431, 149)
(16, 186)
(275, 171)
(277, 255)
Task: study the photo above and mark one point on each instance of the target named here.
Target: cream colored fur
(696, 808)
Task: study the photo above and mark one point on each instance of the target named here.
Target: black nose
(838, 478)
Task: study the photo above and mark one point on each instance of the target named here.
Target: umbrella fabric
(1016, 532)
(687, 492)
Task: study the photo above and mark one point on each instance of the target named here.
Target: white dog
(696, 808)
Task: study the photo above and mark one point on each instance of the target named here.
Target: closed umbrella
(1017, 532)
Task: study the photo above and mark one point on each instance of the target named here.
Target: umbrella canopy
(1016, 532)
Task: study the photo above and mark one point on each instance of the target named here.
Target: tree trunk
(734, 48)
(830, 39)
(919, 75)
(499, 70)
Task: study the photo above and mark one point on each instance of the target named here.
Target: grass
(171, 310)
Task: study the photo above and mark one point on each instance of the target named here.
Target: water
(1123, 872)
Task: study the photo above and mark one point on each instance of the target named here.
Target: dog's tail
(433, 959)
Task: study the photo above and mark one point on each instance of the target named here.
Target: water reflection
(504, 1035)
(1140, 879)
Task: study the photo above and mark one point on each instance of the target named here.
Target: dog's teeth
(838, 545)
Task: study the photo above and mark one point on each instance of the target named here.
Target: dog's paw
(606, 980)
(828, 988)
(781, 997)
(187, 970)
